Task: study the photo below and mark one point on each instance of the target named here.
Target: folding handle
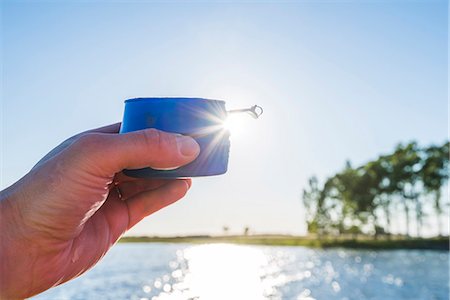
(255, 111)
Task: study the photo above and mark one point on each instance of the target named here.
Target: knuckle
(85, 139)
(160, 141)
(151, 137)
(168, 142)
(177, 191)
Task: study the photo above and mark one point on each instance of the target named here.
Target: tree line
(369, 198)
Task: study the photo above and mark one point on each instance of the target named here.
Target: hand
(64, 215)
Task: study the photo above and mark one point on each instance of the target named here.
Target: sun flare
(234, 124)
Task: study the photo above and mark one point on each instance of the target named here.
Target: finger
(113, 128)
(146, 203)
(111, 153)
(131, 188)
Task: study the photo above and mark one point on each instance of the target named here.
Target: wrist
(13, 247)
(6, 245)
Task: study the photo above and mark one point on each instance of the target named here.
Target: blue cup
(202, 119)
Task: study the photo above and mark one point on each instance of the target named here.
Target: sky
(338, 80)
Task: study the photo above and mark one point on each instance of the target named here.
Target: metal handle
(255, 111)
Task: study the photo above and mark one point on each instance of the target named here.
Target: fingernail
(188, 182)
(187, 145)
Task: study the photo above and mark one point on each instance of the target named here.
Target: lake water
(225, 271)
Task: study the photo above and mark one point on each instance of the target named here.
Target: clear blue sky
(337, 80)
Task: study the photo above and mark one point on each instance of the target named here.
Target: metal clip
(255, 111)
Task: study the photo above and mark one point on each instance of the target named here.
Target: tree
(319, 207)
(225, 229)
(354, 199)
(404, 177)
(382, 187)
(310, 203)
(246, 230)
(434, 174)
(357, 190)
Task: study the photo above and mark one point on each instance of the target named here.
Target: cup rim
(143, 99)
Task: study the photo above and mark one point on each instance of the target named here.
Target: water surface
(225, 271)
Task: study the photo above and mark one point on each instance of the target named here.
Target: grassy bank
(441, 243)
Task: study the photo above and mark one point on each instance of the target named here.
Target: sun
(238, 120)
(228, 124)
(234, 124)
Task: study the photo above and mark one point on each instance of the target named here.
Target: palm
(90, 232)
(109, 222)
(103, 229)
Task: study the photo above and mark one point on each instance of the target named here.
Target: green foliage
(288, 240)
(364, 199)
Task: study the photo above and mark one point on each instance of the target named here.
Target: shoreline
(363, 242)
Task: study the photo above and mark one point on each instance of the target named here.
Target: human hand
(64, 215)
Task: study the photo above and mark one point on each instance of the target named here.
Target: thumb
(111, 153)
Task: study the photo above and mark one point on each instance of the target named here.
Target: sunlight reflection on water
(211, 267)
(224, 271)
